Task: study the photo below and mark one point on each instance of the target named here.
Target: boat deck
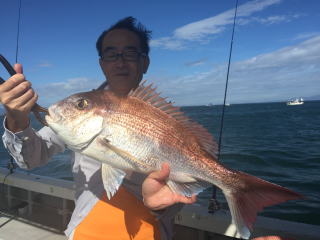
(14, 228)
(38, 207)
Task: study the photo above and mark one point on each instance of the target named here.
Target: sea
(275, 142)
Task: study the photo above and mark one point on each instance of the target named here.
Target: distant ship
(211, 105)
(297, 101)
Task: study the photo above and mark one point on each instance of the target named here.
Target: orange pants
(123, 217)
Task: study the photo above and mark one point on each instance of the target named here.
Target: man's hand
(157, 195)
(18, 98)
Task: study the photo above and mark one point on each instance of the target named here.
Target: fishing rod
(213, 203)
(10, 164)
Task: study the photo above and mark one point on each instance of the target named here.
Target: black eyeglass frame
(123, 56)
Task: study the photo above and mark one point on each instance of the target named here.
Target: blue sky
(276, 51)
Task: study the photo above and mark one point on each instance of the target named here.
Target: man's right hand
(18, 98)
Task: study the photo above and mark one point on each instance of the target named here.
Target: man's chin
(121, 85)
(121, 90)
(121, 79)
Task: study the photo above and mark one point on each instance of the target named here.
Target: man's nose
(120, 61)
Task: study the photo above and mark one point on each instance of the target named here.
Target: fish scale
(151, 130)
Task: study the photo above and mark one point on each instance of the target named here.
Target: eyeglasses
(129, 55)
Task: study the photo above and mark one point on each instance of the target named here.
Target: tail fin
(250, 195)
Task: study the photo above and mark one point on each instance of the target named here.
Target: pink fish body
(142, 131)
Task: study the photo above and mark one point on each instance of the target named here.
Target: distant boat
(227, 104)
(209, 105)
(297, 101)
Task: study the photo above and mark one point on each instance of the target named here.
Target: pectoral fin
(112, 179)
(124, 154)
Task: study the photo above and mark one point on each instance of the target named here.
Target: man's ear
(101, 66)
(100, 63)
(146, 64)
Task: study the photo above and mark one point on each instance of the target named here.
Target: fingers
(12, 82)
(162, 174)
(26, 101)
(16, 94)
(23, 88)
(23, 91)
(176, 199)
(18, 68)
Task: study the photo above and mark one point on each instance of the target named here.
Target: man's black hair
(128, 23)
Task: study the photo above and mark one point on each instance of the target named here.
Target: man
(135, 212)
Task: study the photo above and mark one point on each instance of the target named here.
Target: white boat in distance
(211, 105)
(297, 101)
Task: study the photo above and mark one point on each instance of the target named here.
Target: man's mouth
(122, 74)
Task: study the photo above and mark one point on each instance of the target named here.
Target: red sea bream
(140, 132)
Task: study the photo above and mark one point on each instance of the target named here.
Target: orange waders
(124, 217)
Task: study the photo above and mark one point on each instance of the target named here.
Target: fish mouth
(48, 118)
(52, 116)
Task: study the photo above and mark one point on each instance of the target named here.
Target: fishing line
(18, 31)
(213, 203)
(227, 81)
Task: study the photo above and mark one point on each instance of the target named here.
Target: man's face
(123, 75)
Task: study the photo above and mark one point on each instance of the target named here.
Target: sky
(275, 57)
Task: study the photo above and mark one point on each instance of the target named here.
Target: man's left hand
(156, 193)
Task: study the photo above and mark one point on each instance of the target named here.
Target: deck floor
(15, 229)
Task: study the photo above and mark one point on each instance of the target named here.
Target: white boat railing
(24, 187)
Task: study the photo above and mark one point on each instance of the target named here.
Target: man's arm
(32, 149)
(18, 98)
(28, 148)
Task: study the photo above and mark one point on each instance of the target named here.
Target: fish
(141, 131)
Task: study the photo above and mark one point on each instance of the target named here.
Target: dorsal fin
(149, 95)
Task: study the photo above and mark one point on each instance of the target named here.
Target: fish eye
(82, 104)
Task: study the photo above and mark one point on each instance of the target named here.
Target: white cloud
(168, 43)
(196, 63)
(73, 84)
(59, 90)
(305, 52)
(200, 30)
(274, 19)
(289, 72)
(306, 35)
(45, 64)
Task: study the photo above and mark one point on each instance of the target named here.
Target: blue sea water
(273, 141)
